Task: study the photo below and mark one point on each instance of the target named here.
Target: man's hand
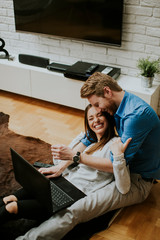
(62, 152)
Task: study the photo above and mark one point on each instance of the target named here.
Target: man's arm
(65, 153)
(102, 164)
(138, 128)
(80, 147)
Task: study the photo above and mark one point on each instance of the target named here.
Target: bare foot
(10, 198)
(12, 207)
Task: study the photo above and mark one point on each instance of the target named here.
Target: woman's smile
(99, 126)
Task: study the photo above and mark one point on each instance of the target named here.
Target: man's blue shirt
(136, 119)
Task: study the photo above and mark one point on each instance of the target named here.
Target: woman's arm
(121, 171)
(56, 170)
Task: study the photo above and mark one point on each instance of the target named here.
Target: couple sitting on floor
(102, 173)
(100, 126)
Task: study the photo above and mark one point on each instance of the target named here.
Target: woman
(101, 127)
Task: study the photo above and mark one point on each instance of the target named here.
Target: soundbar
(33, 60)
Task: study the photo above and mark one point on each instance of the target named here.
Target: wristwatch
(76, 158)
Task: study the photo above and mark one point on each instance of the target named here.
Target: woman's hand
(50, 172)
(55, 171)
(117, 147)
(62, 152)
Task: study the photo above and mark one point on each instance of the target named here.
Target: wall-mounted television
(98, 21)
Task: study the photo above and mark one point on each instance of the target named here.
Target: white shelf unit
(51, 86)
(41, 83)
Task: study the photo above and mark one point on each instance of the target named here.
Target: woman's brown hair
(109, 133)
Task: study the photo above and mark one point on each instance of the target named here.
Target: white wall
(140, 38)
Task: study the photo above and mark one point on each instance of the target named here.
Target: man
(134, 118)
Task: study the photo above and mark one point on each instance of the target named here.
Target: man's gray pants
(93, 205)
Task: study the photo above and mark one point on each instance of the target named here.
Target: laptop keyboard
(59, 197)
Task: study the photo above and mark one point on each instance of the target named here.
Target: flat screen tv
(98, 21)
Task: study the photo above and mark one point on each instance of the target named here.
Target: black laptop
(55, 194)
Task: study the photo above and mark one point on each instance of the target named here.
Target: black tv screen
(97, 21)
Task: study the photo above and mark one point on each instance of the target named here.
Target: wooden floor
(52, 123)
(58, 124)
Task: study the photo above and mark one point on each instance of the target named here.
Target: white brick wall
(140, 38)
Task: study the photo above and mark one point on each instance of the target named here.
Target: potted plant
(148, 68)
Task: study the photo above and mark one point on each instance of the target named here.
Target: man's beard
(111, 109)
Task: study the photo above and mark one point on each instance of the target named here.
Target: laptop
(54, 194)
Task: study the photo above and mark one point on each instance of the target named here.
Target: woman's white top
(88, 179)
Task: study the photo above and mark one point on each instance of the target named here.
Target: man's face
(105, 104)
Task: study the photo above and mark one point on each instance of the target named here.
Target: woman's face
(97, 122)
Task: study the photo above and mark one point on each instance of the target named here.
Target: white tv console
(51, 86)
